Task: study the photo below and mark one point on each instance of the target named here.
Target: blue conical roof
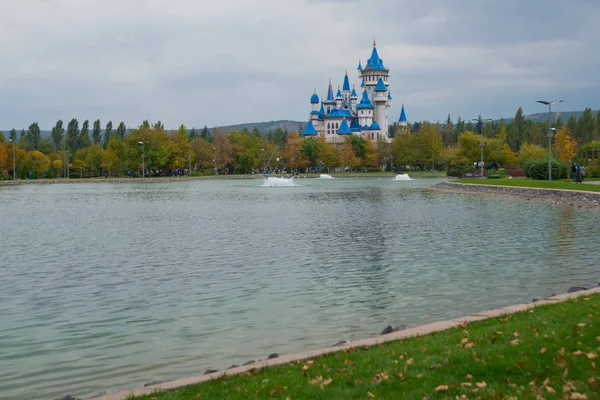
(344, 128)
(362, 84)
(380, 86)
(403, 115)
(375, 126)
(365, 102)
(339, 94)
(310, 130)
(354, 93)
(314, 99)
(359, 66)
(330, 92)
(389, 95)
(375, 63)
(346, 83)
(321, 111)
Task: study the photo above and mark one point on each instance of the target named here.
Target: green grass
(524, 182)
(549, 351)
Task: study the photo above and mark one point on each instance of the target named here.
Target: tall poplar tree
(97, 132)
(84, 136)
(108, 133)
(73, 135)
(57, 135)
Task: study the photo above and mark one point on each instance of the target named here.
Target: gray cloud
(233, 61)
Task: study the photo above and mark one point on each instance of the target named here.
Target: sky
(200, 62)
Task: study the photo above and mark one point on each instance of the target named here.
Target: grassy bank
(530, 183)
(549, 352)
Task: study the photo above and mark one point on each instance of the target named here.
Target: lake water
(111, 286)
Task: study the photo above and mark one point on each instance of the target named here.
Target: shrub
(458, 171)
(538, 169)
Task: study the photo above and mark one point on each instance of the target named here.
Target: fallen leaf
(561, 351)
(326, 382)
(199, 395)
(546, 381)
(469, 345)
(593, 365)
(464, 340)
(481, 384)
(310, 362)
(318, 379)
(581, 325)
(409, 361)
(305, 368)
(543, 350)
(578, 396)
(597, 337)
(568, 387)
(578, 353)
(561, 362)
(469, 377)
(591, 356)
(371, 395)
(466, 384)
(499, 333)
(441, 388)
(550, 389)
(516, 334)
(514, 342)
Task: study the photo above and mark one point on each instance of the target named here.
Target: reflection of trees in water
(565, 232)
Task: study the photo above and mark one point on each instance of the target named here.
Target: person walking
(582, 168)
(574, 172)
(578, 174)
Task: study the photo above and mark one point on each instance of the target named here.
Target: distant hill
(543, 117)
(265, 127)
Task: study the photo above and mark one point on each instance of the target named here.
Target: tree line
(92, 151)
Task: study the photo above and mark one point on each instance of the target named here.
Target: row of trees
(424, 146)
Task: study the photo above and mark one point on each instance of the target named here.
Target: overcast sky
(201, 62)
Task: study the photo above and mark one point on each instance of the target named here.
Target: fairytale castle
(343, 114)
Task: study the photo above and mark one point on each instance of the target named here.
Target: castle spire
(346, 82)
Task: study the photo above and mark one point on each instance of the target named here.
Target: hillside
(266, 127)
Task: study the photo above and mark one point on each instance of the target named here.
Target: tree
(565, 146)
(23, 140)
(430, 144)
(57, 165)
(35, 135)
(531, 152)
(97, 132)
(596, 126)
(404, 150)
(180, 150)
(586, 126)
(84, 137)
(36, 162)
(57, 135)
(448, 132)
(519, 129)
(93, 158)
(108, 133)
(13, 135)
(573, 127)
(121, 131)
(205, 134)
(292, 153)
(45, 146)
(73, 136)
(80, 165)
(193, 134)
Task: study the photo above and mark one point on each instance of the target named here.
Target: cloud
(234, 61)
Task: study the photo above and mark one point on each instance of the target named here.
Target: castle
(343, 114)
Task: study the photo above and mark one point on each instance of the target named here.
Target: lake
(111, 286)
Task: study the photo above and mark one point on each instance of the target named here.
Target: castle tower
(374, 70)
(381, 104)
(330, 101)
(314, 114)
(403, 121)
(365, 110)
(339, 99)
(353, 99)
(346, 92)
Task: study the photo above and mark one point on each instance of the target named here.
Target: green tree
(13, 135)
(36, 162)
(97, 132)
(35, 134)
(586, 126)
(573, 127)
(531, 152)
(23, 140)
(448, 132)
(73, 136)
(597, 126)
(205, 134)
(404, 150)
(57, 135)
(430, 144)
(84, 136)
(256, 132)
(2, 139)
(121, 131)
(93, 158)
(193, 134)
(45, 146)
(108, 133)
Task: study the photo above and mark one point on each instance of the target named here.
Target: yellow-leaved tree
(565, 145)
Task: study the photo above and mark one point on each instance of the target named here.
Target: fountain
(325, 176)
(272, 181)
(402, 177)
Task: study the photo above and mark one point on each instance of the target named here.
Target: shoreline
(204, 178)
(561, 197)
(422, 330)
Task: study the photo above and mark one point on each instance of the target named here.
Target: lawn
(524, 182)
(549, 352)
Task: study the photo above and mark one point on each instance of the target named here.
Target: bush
(592, 171)
(538, 169)
(458, 171)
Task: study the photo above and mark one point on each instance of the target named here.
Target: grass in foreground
(549, 352)
(523, 182)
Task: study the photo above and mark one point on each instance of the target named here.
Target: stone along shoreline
(579, 198)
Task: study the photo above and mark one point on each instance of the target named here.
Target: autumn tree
(565, 146)
(294, 157)
(430, 144)
(531, 152)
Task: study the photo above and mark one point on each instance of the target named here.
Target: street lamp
(143, 158)
(14, 159)
(482, 143)
(215, 160)
(263, 154)
(549, 135)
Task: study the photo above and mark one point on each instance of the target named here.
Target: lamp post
(14, 159)
(482, 143)
(263, 154)
(143, 158)
(549, 104)
(215, 160)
